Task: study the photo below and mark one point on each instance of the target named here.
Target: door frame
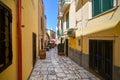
(34, 47)
(113, 48)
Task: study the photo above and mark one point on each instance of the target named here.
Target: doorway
(101, 57)
(66, 47)
(34, 48)
(41, 44)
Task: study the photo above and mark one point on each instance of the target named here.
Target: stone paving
(56, 67)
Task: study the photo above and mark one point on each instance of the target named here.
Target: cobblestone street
(56, 67)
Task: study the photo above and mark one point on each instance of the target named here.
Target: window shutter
(99, 6)
(2, 37)
(5, 36)
(63, 1)
(58, 32)
(62, 28)
(107, 4)
(67, 20)
(96, 7)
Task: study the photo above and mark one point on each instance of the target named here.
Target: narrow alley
(56, 67)
(79, 39)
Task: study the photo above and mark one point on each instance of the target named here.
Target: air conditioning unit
(71, 33)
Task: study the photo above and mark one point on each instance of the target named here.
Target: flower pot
(61, 53)
(42, 54)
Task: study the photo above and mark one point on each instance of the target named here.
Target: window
(100, 6)
(62, 28)
(5, 37)
(67, 20)
(63, 1)
(58, 32)
(41, 23)
(42, 44)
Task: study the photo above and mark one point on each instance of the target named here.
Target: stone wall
(79, 57)
(82, 59)
(116, 73)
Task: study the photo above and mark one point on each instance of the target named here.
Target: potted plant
(42, 54)
(61, 49)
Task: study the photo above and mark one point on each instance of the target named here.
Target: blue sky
(51, 11)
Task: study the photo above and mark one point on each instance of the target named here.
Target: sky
(51, 12)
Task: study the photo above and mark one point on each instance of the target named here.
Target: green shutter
(58, 32)
(96, 7)
(99, 6)
(67, 20)
(63, 1)
(107, 4)
(62, 28)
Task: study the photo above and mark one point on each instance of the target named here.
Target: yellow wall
(74, 43)
(30, 22)
(78, 47)
(104, 26)
(110, 34)
(77, 19)
(11, 72)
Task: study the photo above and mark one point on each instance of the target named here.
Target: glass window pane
(67, 20)
(107, 4)
(5, 37)
(96, 7)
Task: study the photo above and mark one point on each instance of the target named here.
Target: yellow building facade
(42, 27)
(30, 28)
(11, 71)
(30, 35)
(93, 35)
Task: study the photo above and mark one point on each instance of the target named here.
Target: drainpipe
(19, 39)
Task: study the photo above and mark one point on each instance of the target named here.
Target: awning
(109, 24)
(100, 27)
(51, 41)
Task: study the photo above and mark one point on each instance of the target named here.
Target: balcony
(60, 15)
(65, 4)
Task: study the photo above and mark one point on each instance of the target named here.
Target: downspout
(38, 28)
(19, 39)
